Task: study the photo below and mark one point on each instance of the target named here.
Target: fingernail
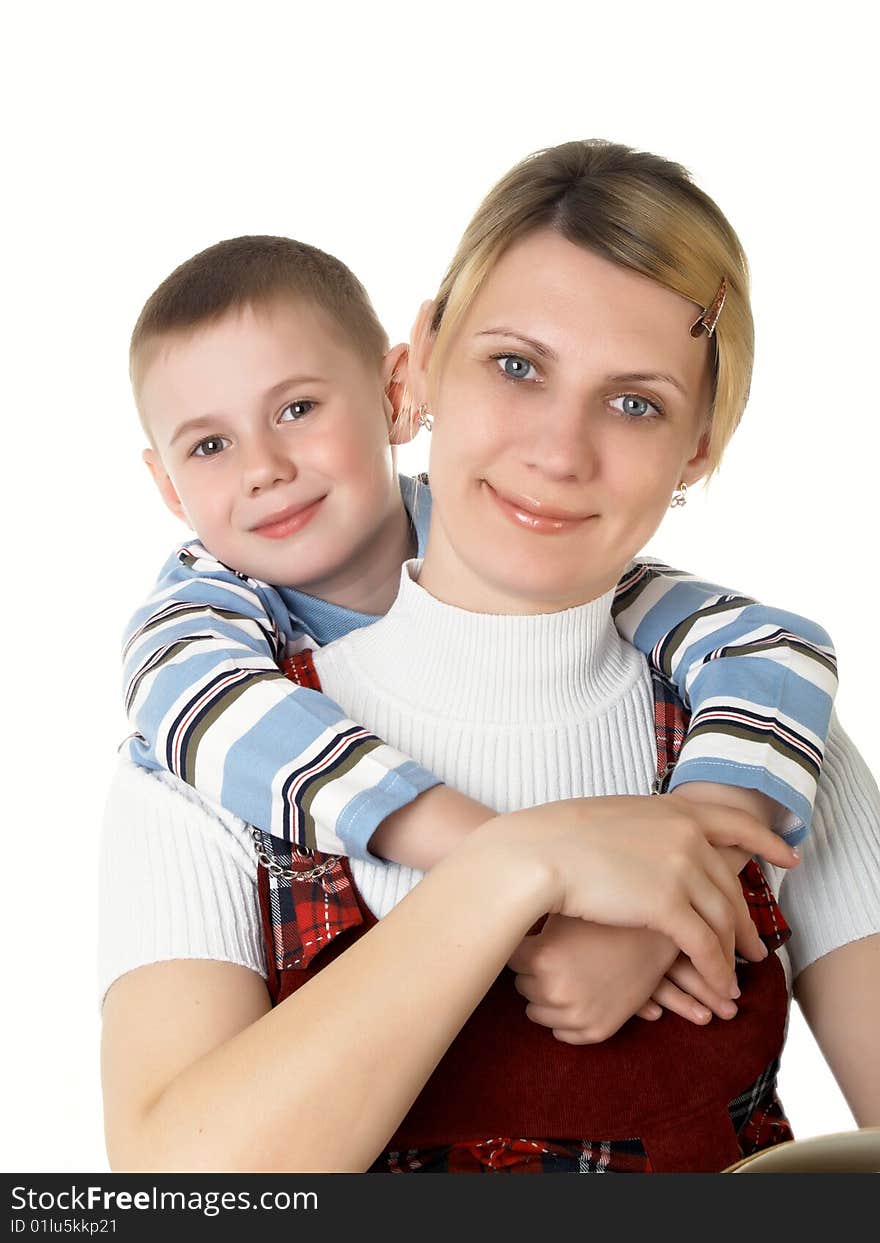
(728, 1010)
(702, 1015)
(734, 990)
(795, 852)
(764, 950)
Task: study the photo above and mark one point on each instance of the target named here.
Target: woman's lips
(534, 515)
(289, 521)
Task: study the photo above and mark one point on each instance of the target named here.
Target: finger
(730, 826)
(572, 1035)
(522, 958)
(710, 901)
(696, 938)
(549, 1016)
(530, 987)
(744, 933)
(745, 938)
(748, 940)
(671, 997)
(685, 976)
(650, 1011)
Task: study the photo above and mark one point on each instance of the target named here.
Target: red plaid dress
(667, 1096)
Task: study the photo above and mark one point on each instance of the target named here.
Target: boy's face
(272, 441)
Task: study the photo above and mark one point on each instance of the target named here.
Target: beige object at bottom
(848, 1152)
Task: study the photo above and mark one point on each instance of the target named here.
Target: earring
(679, 496)
(423, 416)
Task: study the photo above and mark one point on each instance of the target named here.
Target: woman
(569, 400)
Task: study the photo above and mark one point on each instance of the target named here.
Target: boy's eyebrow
(625, 377)
(210, 420)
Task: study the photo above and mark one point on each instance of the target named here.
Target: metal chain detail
(280, 873)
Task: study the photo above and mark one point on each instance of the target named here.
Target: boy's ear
(397, 403)
(163, 482)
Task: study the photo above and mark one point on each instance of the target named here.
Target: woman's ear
(420, 350)
(163, 482)
(698, 465)
(398, 413)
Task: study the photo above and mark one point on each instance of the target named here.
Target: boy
(265, 385)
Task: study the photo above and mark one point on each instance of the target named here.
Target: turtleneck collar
(496, 668)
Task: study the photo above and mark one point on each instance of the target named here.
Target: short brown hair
(256, 271)
(638, 210)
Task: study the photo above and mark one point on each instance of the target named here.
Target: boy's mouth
(287, 521)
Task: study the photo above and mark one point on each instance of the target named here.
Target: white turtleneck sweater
(514, 711)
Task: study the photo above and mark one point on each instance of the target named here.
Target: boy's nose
(263, 468)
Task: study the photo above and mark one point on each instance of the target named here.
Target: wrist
(761, 806)
(423, 832)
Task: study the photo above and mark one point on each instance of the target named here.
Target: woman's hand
(644, 862)
(684, 991)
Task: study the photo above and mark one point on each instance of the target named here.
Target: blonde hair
(636, 209)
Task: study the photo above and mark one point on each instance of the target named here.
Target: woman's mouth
(288, 521)
(536, 515)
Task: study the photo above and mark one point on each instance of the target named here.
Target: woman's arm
(190, 1046)
(832, 902)
(839, 995)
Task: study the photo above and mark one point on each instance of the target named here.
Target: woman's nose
(563, 447)
(264, 466)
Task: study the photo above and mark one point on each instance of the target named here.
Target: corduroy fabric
(668, 1084)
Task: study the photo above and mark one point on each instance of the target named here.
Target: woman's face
(570, 404)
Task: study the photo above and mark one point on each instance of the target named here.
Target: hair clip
(709, 317)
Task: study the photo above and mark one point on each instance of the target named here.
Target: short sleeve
(177, 879)
(833, 896)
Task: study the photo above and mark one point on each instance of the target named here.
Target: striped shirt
(208, 702)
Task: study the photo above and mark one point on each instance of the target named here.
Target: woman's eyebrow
(538, 346)
(648, 377)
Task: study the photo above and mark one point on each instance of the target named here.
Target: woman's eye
(295, 410)
(515, 367)
(635, 407)
(210, 446)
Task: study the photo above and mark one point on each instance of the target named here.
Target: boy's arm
(209, 703)
(423, 832)
(760, 683)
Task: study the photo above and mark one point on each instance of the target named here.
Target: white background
(138, 134)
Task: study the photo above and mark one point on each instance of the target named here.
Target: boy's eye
(295, 410)
(635, 407)
(515, 367)
(210, 446)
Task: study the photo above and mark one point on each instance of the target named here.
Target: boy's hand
(584, 980)
(683, 990)
(765, 810)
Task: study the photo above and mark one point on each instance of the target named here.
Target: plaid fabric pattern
(671, 725)
(670, 728)
(756, 1115)
(307, 911)
(301, 670)
(307, 914)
